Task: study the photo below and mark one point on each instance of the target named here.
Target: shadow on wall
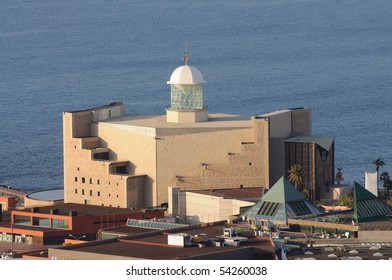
(148, 192)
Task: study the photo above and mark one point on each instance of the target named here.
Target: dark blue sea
(257, 56)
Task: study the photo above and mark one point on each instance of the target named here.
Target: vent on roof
(179, 239)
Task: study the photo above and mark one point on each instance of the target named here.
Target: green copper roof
(282, 192)
(281, 202)
(367, 206)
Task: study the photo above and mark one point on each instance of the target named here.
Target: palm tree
(296, 175)
(378, 163)
(387, 181)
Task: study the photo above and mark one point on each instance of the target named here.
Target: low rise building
(19, 196)
(199, 242)
(53, 224)
(205, 206)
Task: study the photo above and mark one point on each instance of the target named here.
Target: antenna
(185, 56)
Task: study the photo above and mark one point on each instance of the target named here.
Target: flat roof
(127, 230)
(237, 193)
(159, 121)
(155, 246)
(82, 209)
(97, 108)
(51, 195)
(9, 190)
(144, 251)
(275, 113)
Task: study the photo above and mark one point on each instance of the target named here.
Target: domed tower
(186, 95)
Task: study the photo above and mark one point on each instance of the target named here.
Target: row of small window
(83, 180)
(91, 193)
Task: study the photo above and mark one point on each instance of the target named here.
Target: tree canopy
(378, 163)
(296, 175)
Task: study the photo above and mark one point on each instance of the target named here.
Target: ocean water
(257, 56)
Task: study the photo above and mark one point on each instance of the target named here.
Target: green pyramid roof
(367, 206)
(360, 193)
(283, 191)
(281, 202)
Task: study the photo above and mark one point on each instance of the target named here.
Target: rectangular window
(76, 191)
(21, 220)
(41, 222)
(98, 182)
(98, 193)
(56, 223)
(82, 191)
(83, 180)
(91, 181)
(76, 179)
(91, 193)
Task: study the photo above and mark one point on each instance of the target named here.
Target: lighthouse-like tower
(186, 95)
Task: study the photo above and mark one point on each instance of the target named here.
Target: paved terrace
(159, 121)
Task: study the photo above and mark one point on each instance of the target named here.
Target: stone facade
(119, 160)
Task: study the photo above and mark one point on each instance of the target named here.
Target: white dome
(186, 75)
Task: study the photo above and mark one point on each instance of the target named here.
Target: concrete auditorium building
(125, 160)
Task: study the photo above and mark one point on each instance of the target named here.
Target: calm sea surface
(333, 56)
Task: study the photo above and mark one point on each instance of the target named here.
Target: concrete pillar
(173, 208)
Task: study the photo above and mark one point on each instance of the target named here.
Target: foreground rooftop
(154, 246)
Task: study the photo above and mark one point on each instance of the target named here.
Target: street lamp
(77, 238)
